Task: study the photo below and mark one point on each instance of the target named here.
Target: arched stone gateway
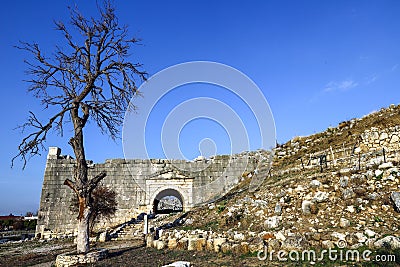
(166, 184)
(169, 204)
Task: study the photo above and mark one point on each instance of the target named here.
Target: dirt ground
(121, 253)
(30, 253)
(134, 253)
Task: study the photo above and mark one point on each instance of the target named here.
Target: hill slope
(338, 185)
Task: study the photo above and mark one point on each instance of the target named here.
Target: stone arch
(168, 191)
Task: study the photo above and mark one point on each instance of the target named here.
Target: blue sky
(317, 62)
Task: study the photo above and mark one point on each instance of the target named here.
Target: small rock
(369, 233)
(315, 184)
(390, 178)
(378, 173)
(344, 223)
(172, 244)
(347, 193)
(238, 237)
(306, 207)
(395, 196)
(338, 236)
(360, 191)
(316, 236)
(226, 247)
(350, 209)
(345, 170)
(278, 209)
(321, 197)
(394, 139)
(178, 264)
(299, 188)
(385, 165)
(358, 179)
(361, 237)
(383, 136)
(344, 181)
(160, 244)
(281, 194)
(272, 222)
(373, 196)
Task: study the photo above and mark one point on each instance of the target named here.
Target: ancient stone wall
(373, 147)
(137, 183)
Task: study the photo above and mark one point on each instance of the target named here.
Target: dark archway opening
(168, 201)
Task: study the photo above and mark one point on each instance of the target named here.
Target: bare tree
(88, 78)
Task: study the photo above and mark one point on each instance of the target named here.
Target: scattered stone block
(192, 243)
(178, 264)
(72, 259)
(369, 233)
(296, 242)
(238, 237)
(172, 243)
(226, 247)
(344, 223)
(217, 243)
(201, 244)
(272, 222)
(385, 165)
(278, 209)
(160, 244)
(344, 181)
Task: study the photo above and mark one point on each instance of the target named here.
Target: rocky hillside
(341, 185)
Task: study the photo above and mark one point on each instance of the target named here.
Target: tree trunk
(82, 239)
(82, 186)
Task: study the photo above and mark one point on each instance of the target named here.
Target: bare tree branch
(32, 144)
(92, 77)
